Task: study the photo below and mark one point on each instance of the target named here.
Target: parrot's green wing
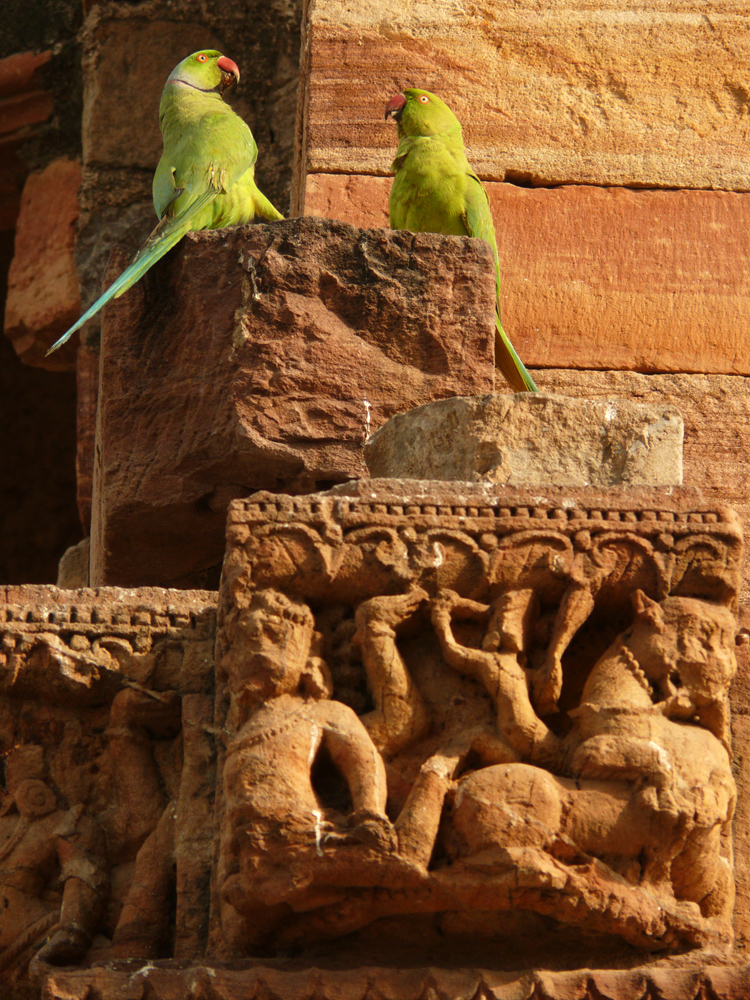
(478, 220)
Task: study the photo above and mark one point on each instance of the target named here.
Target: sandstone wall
(613, 140)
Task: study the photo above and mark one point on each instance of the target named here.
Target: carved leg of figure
(144, 920)
(400, 715)
(419, 819)
(699, 873)
(136, 719)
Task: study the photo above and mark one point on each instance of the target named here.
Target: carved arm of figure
(400, 716)
(497, 667)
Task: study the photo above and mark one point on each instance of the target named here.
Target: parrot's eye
(202, 57)
(424, 99)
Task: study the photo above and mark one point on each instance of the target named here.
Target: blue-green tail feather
(166, 234)
(509, 363)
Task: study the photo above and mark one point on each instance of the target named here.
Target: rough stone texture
(720, 982)
(593, 94)
(604, 278)
(73, 571)
(43, 295)
(716, 413)
(531, 439)
(87, 384)
(500, 795)
(264, 357)
(105, 710)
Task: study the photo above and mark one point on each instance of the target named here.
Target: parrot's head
(418, 112)
(206, 70)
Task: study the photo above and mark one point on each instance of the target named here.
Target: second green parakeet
(436, 191)
(205, 178)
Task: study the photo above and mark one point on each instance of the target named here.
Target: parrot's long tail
(161, 240)
(265, 209)
(509, 363)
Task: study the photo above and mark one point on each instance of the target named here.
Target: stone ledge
(532, 439)
(172, 981)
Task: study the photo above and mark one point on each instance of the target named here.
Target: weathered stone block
(603, 278)
(716, 413)
(531, 439)
(536, 683)
(264, 357)
(105, 708)
(43, 296)
(73, 568)
(600, 94)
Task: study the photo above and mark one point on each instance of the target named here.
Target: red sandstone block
(650, 95)
(604, 278)
(263, 357)
(17, 71)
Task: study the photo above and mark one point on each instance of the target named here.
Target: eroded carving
(96, 688)
(543, 689)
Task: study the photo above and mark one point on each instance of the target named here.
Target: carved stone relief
(477, 711)
(105, 806)
(445, 725)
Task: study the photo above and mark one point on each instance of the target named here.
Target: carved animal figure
(642, 782)
(206, 175)
(436, 191)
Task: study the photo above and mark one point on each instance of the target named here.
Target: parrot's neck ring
(211, 90)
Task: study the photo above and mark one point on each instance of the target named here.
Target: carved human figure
(53, 871)
(642, 782)
(141, 823)
(281, 844)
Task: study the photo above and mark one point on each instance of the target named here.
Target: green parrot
(206, 175)
(436, 191)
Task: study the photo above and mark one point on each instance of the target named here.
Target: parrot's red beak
(230, 72)
(394, 107)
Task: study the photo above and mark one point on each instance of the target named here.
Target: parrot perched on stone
(436, 191)
(205, 178)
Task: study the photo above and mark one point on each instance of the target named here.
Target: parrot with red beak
(436, 191)
(205, 178)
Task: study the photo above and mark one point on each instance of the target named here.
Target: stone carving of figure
(53, 872)
(282, 845)
(642, 782)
